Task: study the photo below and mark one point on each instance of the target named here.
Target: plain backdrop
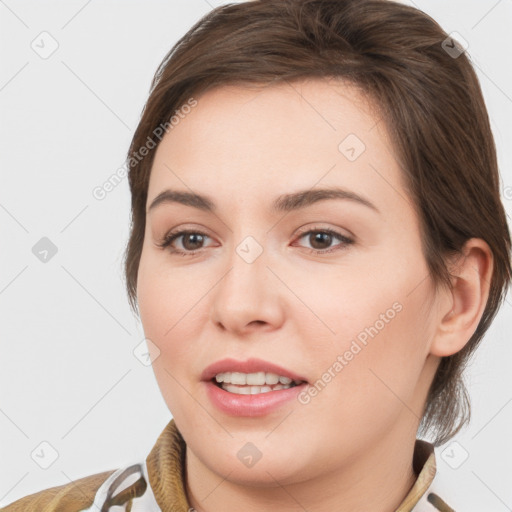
(73, 396)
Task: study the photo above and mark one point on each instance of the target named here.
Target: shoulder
(71, 497)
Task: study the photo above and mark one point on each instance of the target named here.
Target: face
(331, 288)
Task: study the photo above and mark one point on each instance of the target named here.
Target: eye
(191, 242)
(321, 240)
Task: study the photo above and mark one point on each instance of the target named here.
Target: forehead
(326, 108)
(280, 137)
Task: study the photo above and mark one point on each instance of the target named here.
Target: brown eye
(187, 242)
(321, 241)
(192, 241)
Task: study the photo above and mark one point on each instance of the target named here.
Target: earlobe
(461, 308)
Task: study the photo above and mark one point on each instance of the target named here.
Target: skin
(351, 447)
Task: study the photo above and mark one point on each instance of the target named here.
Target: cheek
(160, 314)
(166, 298)
(173, 310)
(377, 358)
(165, 306)
(377, 322)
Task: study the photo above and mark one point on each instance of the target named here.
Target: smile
(253, 383)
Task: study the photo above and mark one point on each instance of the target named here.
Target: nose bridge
(244, 295)
(247, 267)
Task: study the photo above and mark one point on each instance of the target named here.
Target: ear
(461, 308)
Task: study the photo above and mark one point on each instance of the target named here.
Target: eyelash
(170, 237)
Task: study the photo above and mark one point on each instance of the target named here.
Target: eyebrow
(283, 203)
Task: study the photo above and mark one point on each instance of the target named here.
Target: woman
(317, 247)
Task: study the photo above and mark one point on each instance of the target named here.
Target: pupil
(319, 237)
(196, 238)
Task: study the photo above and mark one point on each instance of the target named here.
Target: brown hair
(430, 100)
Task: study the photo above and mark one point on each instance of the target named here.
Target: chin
(271, 470)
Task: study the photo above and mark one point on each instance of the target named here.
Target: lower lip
(250, 405)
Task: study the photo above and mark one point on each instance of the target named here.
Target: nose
(249, 296)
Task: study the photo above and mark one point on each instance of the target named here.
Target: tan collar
(424, 465)
(166, 470)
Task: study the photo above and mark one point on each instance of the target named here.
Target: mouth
(254, 383)
(251, 388)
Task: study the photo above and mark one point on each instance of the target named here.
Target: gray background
(68, 374)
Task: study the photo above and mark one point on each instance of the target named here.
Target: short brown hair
(431, 103)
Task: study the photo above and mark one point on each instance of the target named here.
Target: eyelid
(318, 227)
(185, 228)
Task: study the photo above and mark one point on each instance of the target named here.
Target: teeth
(238, 378)
(252, 390)
(256, 379)
(253, 383)
(252, 379)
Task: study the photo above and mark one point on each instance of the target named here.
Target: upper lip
(252, 365)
